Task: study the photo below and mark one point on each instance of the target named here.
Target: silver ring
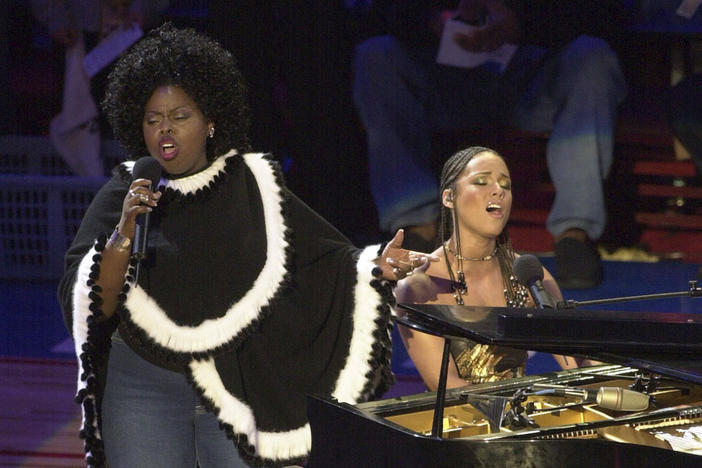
(132, 193)
(410, 272)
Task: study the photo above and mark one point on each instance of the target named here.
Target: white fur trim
(81, 310)
(270, 445)
(191, 183)
(149, 316)
(349, 385)
(200, 180)
(286, 445)
(80, 313)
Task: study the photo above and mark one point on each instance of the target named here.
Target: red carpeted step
(651, 190)
(684, 244)
(672, 220)
(665, 168)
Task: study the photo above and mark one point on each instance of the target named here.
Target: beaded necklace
(478, 259)
(458, 281)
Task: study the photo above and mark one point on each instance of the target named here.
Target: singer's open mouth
(168, 148)
(494, 208)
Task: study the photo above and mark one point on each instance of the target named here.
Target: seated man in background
(563, 78)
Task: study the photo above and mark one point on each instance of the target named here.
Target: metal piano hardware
(568, 418)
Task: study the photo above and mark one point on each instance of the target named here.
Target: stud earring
(210, 133)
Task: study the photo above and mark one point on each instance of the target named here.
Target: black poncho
(247, 291)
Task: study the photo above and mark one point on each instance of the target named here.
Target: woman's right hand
(138, 200)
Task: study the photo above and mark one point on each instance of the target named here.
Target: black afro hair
(169, 56)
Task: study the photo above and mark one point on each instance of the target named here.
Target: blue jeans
(151, 417)
(402, 96)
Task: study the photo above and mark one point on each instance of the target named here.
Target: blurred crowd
(299, 64)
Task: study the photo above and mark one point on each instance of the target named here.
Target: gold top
(479, 363)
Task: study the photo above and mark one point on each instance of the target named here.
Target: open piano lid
(669, 344)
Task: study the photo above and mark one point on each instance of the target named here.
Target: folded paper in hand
(75, 132)
(450, 53)
(687, 8)
(109, 48)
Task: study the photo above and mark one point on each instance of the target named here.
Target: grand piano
(642, 408)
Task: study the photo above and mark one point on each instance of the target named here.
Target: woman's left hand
(397, 263)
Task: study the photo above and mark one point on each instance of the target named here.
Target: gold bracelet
(119, 242)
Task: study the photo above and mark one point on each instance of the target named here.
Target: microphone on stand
(150, 169)
(614, 398)
(530, 273)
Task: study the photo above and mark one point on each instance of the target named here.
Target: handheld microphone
(614, 398)
(530, 273)
(144, 168)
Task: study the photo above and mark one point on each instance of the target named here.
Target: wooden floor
(39, 422)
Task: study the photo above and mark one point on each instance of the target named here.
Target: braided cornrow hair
(452, 169)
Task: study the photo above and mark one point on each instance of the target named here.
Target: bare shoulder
(438, 269)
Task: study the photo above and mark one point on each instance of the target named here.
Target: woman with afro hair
(200, 348)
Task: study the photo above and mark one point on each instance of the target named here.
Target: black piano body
(507, 423)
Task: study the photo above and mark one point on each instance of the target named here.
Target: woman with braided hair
(474, 268)
(203, 352)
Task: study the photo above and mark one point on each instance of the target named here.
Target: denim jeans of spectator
(402, 96)
(151, 417)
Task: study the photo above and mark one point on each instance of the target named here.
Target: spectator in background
(685, 116)
(76, 26)
(684, 101)
(563, 79)
(68, 21)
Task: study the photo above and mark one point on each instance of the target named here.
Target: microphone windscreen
(527, 268)
(147, 168)
(622, 399)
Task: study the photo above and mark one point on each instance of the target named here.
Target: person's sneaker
(578, 264)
